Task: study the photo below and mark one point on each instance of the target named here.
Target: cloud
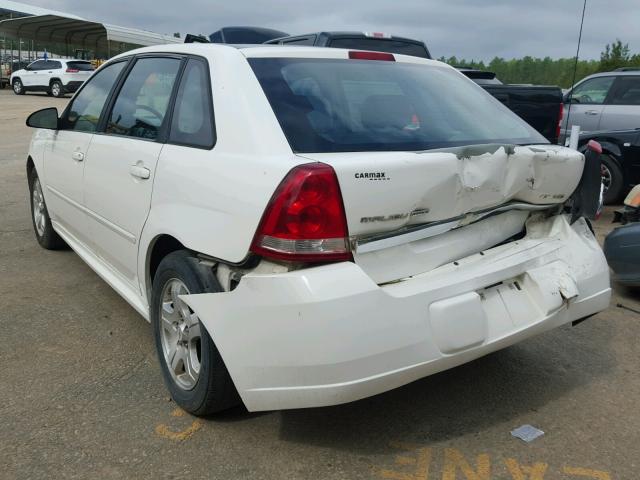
(478, 29)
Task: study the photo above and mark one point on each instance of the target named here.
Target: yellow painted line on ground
(587, 473)
(421, 459)
(454, 459)
(415, 463)
(164, 431)
(524, 472)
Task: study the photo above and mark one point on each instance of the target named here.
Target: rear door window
(192, 123)
(593, 91)
(141, 106)
(53, 65)
(626, 91)
(84, 112)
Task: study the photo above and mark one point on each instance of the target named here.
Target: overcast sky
(471, 29)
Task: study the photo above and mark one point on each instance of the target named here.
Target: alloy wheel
(39, 210)
(605, 173)
(180, 333)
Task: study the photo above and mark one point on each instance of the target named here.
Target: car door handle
(77, 156)
(140, 172)
(591, 112)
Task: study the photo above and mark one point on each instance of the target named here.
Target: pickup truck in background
(541, 106)
(371, 41)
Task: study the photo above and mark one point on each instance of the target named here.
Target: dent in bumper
(329, 334)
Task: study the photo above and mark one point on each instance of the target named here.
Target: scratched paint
(416, 463)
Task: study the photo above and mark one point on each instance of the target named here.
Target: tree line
(548, 71)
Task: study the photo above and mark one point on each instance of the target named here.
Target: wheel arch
(54, 79)
(607, 145)
(161, 246)
(31, 168)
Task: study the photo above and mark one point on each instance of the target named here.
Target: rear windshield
(380, 45)
(334, 105)
(82, 66)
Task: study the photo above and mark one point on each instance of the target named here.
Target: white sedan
(306, 226)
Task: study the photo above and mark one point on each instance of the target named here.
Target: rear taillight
(72, 70)
(358, 55)
(305, 219)
(560, 115)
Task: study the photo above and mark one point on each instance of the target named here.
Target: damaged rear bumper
(329, 334)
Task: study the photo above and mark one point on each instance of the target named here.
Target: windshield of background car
(335, 105)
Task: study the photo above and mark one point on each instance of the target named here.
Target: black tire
(18, 87)
(616, 182)
(214, 390)
(56, 89)
(45, 234)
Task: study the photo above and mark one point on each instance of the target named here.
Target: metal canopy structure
(65, 33)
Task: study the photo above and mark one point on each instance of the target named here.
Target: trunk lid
(396, 200)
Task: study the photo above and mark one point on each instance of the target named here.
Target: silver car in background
(603, 101)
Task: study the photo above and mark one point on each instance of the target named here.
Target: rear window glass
(333, 105)
(82, 66)
(380, 45)
(244, 35)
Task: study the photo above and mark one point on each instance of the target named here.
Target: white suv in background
(54, 76)
(308, 226)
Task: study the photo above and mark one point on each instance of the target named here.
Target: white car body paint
(335, 333)
(330, 334)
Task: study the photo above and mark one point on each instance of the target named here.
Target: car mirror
(45, 118)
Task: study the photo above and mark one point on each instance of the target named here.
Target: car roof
(352, 34)
(615, 73)
(261, 50)
(61, 60)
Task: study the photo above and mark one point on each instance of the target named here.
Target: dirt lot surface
(81, 394)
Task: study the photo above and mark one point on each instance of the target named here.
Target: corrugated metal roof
(79, 32)
(24, 8)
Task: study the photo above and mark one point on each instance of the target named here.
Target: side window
(192, 122)
(593, 92)
(300, 41)
(52, 65)
(626, 91)
(37, 65)
(84, 112)
(142, 103)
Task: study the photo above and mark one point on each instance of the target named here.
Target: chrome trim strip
(110, 225)
(413, 233)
